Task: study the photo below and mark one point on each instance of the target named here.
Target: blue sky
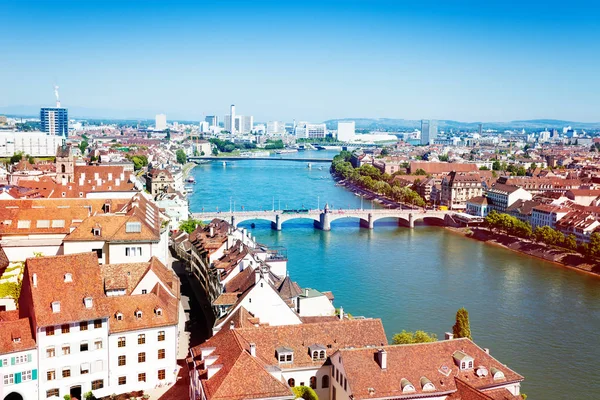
(308, 60)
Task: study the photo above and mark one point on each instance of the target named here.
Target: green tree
(83, 145)
(190, 225)
(462, 327)
(168, 137)
(305, 392)
(571, 242)
(420, 171)
(31, 160)
(444, 158)
(594, 245)
(496, 166)
(484, 168)
(181, 157)
(521, 171)
(405, 337)
(15, 158)
(215, 152)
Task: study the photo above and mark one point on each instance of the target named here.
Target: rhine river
(542, 320)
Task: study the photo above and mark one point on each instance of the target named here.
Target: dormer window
(88, 302)
(133, 227)
(481, 371)
(285, 355)
(138, 314)
(97, 231)
(317, 352)
(496, 373)
(68, 278)
(158, 311)
(406, 386)
(119, 316)
(56, 306)
(426, 384)
(463, 360)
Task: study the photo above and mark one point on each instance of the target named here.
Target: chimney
(448, 336)
(64, 180)
(231, 325)
(382, 358)
(306, 292)
(212, 231)
(34, 279)
(253, 349)
(341, 313)
(487, 351)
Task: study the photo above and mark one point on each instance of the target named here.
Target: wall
(302, 378)
(15, 364)
(86, 247)
(264, 303)
(316, 306)
(117, 255)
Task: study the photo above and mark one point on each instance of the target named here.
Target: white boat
(286, 151)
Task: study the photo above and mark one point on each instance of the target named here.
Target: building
(501, 196)
(232, 122)
(160, 122)
(37, 144)
(477, 206)
(458, 188)
(107, 330)
(275, 128)
(159, 181)
(55, 121)
(428, 131)
(346, 131)
(212, 120)
(441, 168)
(547, 215)
(304, 130)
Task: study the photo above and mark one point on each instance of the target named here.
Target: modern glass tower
(428, 131)
(55, 121)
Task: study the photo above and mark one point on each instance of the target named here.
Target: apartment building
(501, 196)
(458, 187)
(18, 358)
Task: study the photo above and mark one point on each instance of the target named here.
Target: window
(470, 364)
(98, 344)
(83, 346)
(291, 382)
(85, 368)
(50, 375)
(122, 380)
(133, 227)
(142, 377)
(52, 393)
(313, 382)
(121, 342)
(325, 381)
(65, 328)
(49, 331)
(66, 373)
(133, 251)
(161, 336)
(141, 338)
(9, 379)
(161, 354)
(141, 357)
(119, 316)
(98, 324)
(88, 302)
(50, 352)
(66, 350)
(83, 326)
(26, 376)
(161, 374)
(21, 360)
(97, 384)
(98, 253)
(122, 361)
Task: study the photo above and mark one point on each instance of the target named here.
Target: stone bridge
(322, 218)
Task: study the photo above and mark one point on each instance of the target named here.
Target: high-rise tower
(232, 119)
(55, 120)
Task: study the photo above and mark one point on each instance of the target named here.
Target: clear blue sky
(309, 60)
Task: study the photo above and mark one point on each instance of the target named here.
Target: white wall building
(18, 360)
(36, 144)
(160, 122)
(346, 131)
(275, 128)
(304, 130)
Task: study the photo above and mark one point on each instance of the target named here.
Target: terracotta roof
(433, 361)
(241, 282)
(3, 260)
(478, 200)
(53, 287)
(289, 289)
(113, 228)
(441, 167)
(15, 334)
(226, 299)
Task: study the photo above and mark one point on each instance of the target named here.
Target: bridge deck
(312, 160)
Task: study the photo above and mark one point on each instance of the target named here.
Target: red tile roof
(15, 334)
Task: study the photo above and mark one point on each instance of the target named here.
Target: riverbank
(369, 195)
(554, 255)
(187, 168)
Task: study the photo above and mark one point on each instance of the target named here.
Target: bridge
(323, 218)
(275, 158)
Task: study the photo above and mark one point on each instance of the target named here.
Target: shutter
(12, 361)
(18, 377)
(34, 374)
(29, 357)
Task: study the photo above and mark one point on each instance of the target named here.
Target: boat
(286, 151)
(309, 166)
(224, 164)
(191, 179)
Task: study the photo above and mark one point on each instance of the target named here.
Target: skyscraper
(212, 120)
(232, 119)
(160, 123)
(428, 131)
(55, 120)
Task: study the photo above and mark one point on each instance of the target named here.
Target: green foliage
(444, 158)
(181, 157)
(523, 396)
(31, 160)
(274, 144)
(549, 236)
(139, 161)
(484, 168)
(190, 225)
(15, 158)
(305, 392)
(405, 337)
(168, 137)
(508, 224)
(215, 152)
(571, 242)
(89, 396)
(83, 145)
(420, 171)
(462, 327)
(385, 152)
(496, 166)
(67, 397)
(593, 248)
(93, 158)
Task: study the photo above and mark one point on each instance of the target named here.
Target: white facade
(346, 131)
(305, 130)
(161, 122)
(275, 128)
(19, 374)
(314, 304)
(36, 144)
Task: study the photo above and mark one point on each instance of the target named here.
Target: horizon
(309, 61)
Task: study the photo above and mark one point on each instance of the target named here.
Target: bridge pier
(368, 223)
(233, 221)
(411, 221)
(277, 224)
(325, 223)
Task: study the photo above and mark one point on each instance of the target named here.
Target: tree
(496, 166)
(571, 242)
(484, 168)
(594, 245)
(15, 158)
(215, 152)
(420, 171)
(82, 146)
(168, 137)
(462, 327)
(181, 157)
(305, 392)
(31, 160)
(405, 337)
(190, 225)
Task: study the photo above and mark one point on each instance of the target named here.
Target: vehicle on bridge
(296, 211)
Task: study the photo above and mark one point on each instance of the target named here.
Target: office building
(54, 121)
(161, 122)
(212, 120)
(246, 124)
(428, 131)
(37, 144)
(346, 131)
(304, 130)
(275, 128)
(232, 122)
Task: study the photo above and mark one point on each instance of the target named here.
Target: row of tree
(542, 234)
(225, 146)
(372, 179)
(461, 329)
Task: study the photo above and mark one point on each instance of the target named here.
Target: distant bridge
(322, 218)
(307, 160)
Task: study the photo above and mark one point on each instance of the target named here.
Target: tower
(65, 163)
(55, 120)
(232, 119)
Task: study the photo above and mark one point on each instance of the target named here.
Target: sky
(306, 60)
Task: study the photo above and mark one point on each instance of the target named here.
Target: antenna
(56, 95)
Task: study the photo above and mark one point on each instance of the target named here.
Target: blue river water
(540, 319)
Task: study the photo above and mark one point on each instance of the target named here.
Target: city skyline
(309, 61)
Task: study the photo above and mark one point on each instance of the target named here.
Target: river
(538, 318)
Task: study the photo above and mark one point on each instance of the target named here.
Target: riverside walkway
(322, 218)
